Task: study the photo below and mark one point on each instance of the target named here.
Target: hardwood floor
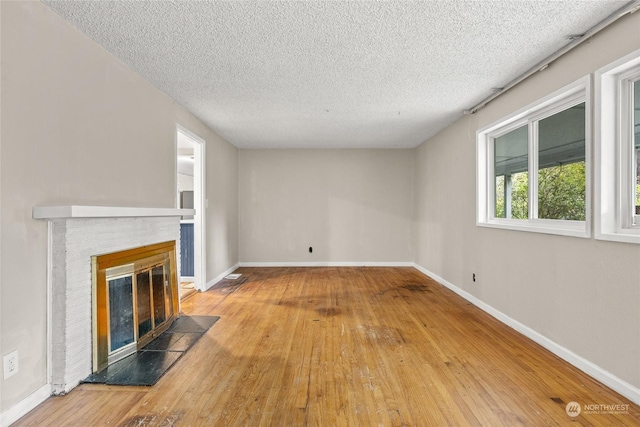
(347, 347)
(186, 290)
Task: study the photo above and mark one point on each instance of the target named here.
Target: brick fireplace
(76, 234)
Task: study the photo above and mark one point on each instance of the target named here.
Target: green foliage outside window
(519, 196)
(561, 193)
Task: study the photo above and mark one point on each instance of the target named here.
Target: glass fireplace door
(143, 293)
(121, 331)
(136, 299)
(153, 300)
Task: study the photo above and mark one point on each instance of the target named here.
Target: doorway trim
(199, 204)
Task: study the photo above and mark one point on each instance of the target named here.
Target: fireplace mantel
(77, 211)
(76, 234)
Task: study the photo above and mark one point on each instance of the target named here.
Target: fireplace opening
(135, 299)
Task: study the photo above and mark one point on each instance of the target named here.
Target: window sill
(559, 228)
(623, 236)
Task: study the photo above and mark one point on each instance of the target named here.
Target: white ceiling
(311, 74)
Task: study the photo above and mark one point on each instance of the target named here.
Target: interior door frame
(199, 204)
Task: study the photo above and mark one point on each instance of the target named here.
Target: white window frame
(570, 95)
(614, 216)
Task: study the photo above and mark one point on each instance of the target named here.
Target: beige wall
(79, 127)
(583, 294)
(349, 205)
(185, 182)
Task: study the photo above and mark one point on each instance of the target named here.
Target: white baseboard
(326, 264)
(23, 407)
(221, 276)
(605, 377)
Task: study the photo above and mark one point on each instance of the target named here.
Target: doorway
(190, 186)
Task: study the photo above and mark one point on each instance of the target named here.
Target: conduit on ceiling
(576, 40)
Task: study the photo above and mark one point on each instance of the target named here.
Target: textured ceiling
(331, 74)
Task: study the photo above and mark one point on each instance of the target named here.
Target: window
(636, 147)
(617, 155)
(634, 141)
(533, 166)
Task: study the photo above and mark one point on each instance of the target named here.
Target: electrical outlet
(10, 364)
(474, 277)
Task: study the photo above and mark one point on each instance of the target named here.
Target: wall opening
(190, 185)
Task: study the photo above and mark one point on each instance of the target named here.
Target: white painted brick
(73, 242)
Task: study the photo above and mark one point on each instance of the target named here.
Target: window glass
(561, 165)
(511, 162)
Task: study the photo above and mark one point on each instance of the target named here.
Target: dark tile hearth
(193, 324)
(145, 367)
(172, 341)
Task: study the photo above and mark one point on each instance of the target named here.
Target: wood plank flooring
(347, 347)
